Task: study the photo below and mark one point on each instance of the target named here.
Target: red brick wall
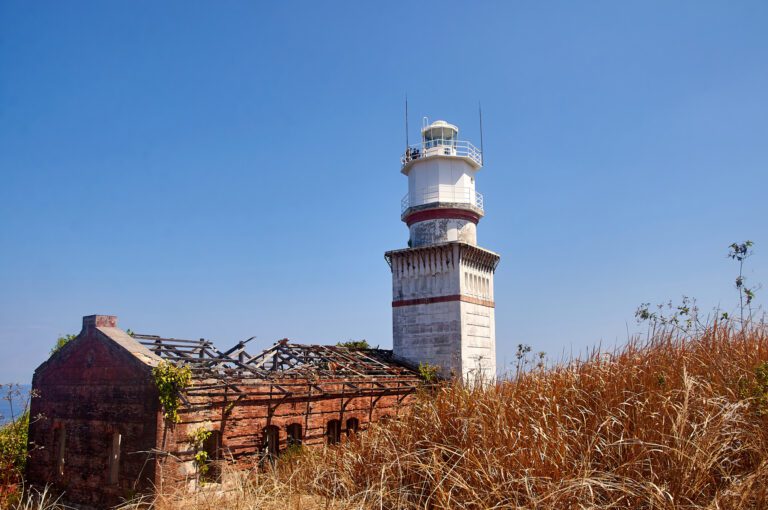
(93, 388)
(242, 427)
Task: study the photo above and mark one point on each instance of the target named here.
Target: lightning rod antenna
(407, 139)
(482, 152)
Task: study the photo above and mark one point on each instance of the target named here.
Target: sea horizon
(12, 406)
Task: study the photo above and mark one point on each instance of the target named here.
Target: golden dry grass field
(673, 422)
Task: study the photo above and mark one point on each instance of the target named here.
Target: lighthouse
(442, 284)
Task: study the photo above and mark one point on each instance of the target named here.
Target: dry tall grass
(673, 423)
(668, 424)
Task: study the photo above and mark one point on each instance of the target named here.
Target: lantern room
(439, 138)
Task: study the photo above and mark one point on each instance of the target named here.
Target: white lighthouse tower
(442, 284)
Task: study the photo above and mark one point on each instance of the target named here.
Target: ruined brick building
(102, 435)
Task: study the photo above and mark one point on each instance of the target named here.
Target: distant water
(19, 400)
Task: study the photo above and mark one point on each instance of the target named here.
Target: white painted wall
(450, 180)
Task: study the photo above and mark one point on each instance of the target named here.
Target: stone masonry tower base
(443, 309)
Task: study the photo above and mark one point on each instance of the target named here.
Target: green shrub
(171, 380)
(760, 389)
(198, 439)
(355, 344)
(13, 458)
(61, 342)
(428, 372)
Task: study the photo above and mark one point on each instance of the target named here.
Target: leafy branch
(170, 381)
(354, 344)
(741, 252)
(429, 372)
(683, 316)
(198, 438)
(61, 342)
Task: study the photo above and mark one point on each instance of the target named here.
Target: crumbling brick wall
(98, 435)
(240, 423)
(88, 393)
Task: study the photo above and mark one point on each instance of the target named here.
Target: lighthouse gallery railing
(441, 147)
(442, 193)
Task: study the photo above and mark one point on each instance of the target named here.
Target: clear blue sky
(228, 169)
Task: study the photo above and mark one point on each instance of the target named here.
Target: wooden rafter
(284, 361)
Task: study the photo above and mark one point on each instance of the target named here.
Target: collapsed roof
(282, 360)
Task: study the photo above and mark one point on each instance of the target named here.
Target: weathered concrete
(443, 308)
(443, 230)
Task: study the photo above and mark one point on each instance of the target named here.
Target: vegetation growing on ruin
(354, 344)
(428, 372)
(170, 381)
(197, 439)
(61, 342)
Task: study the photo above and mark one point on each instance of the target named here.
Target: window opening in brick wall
(271, 446)
(353, 424)
(294, 434)
(114, 457)
(61, 449)
(333, 432)
(212, 446)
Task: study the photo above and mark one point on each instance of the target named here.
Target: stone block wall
(443, 308)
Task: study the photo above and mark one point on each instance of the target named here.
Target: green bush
(355, 344)
(429, 372)
(13, 458)
(171, 380)
(198, 439)
(61, 342)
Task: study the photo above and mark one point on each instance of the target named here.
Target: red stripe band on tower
(444, 299)
(440, 213)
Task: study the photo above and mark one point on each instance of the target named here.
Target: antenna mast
(407, 139)
(482, 152)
